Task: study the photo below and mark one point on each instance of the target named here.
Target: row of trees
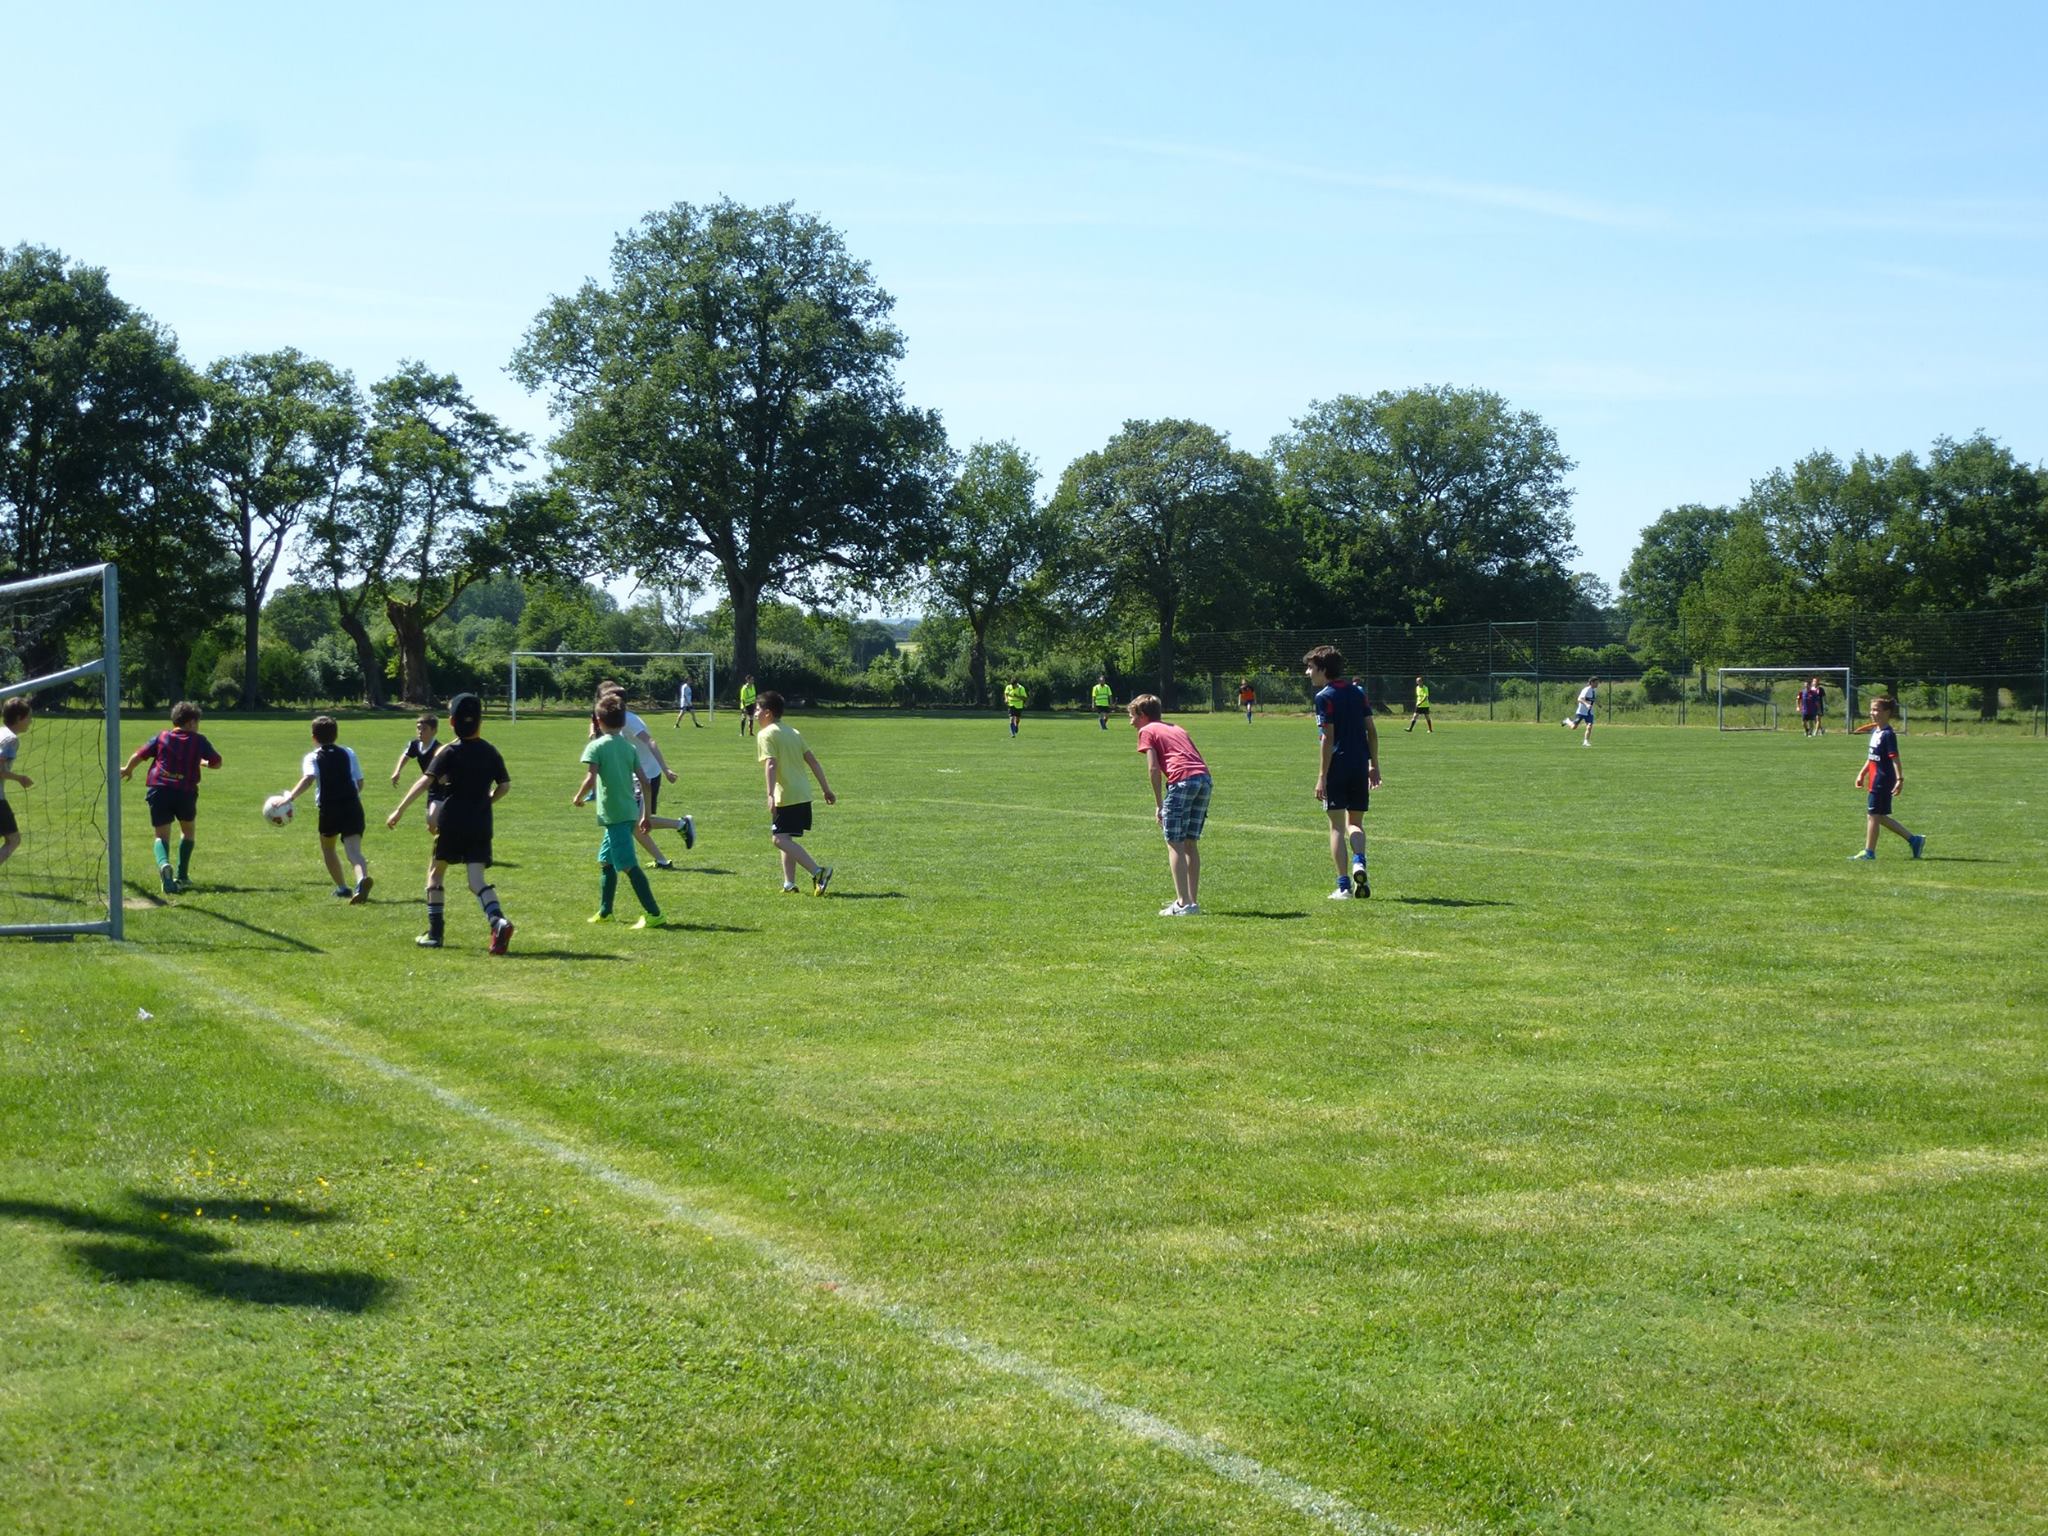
(728, 421)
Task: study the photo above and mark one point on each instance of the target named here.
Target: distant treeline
(729, 425)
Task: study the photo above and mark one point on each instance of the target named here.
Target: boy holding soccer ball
(335, 776)
(1884, 777)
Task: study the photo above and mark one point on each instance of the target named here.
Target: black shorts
(462, 840)
(342, 820)
(8, 825)
(1422, 709)
(171, 802)
(1880, 800)
(792, 820)
(653, 792)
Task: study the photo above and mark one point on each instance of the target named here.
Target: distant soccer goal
(650, 678)
(60, 650)
(1758, 698)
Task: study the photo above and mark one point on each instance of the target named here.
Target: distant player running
(335, 776)
(1013, 699)
(1884, 777)
(687, 705)
(1588, 696)
(472, 778)
(1247, 699)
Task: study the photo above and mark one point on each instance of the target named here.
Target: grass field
(1629, 1162)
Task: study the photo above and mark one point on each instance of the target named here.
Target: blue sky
(1699, 242)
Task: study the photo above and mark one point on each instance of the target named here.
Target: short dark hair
(1326, 659)
(771, 701)
(466, 714)
(15, 710)
(428, 720)
(325, 730)
(611, 712)
(184, 713)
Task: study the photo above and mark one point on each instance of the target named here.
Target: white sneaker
(1173, 911)
(1342, 893)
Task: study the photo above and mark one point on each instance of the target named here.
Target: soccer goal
(1756, 698)
(60, 649)
(647, 676)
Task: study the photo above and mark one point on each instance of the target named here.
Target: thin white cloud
(1531, 200)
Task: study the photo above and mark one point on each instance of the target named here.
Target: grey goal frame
(708, 658)
(1722, 674)
(106, 667)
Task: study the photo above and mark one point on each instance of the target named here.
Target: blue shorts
(171, 802)
(1345, 790)
(1880, 800)
(1185, 809)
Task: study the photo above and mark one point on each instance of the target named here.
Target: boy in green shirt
(789, 792)
(1103, 700)
(748, 695)
(1422, 707)
(1013, 697)
(612, 767)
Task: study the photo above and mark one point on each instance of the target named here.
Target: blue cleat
(1917, 841)
(1865, 857)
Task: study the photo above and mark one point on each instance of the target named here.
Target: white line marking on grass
(1302, 1497)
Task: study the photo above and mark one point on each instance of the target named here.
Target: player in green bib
(611, 767)
(1013, 696)
(1421, 707)
(1104, 701)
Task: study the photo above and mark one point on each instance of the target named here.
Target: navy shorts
(342, 820)
(8, 827)
(171, 802)
(460, 839)
(792, 820)
(1346, 792)
(1880, 800)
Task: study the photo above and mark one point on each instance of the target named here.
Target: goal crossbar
(708, 658)
(1723, 674)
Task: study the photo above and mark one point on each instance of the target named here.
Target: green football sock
(642, 889)
(608, 889)
(163, 854)
(184, 856)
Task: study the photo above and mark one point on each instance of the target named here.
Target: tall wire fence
(1972, 671)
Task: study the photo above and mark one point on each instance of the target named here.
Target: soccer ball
(277, 810)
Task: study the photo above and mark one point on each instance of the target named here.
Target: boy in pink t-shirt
(1180, 790)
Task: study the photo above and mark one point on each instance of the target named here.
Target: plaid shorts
(1185, 809)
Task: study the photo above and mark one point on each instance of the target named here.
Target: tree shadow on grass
(1444, 901)
(162, 1247)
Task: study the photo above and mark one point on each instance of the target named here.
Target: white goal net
(60, 658)
(1770, 698)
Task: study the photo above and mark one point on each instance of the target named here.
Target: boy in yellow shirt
(784, 756)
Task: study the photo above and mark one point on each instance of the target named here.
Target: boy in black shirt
(472, 778)
(336, 779)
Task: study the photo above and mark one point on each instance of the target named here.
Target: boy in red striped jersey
(172, 789)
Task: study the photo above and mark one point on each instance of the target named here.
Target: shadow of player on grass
(161, 1244)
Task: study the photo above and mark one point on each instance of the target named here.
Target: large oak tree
(728, 399)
